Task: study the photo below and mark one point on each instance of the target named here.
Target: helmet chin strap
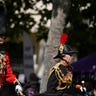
(65, 61)
(69, 66)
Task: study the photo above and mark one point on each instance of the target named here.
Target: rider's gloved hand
(18, 88)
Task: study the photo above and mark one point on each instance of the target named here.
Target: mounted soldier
(6, 73)
(61, 76)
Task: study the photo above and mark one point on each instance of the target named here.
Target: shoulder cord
(59, 75)
(62, 78)
(58, 72)
(53, 69)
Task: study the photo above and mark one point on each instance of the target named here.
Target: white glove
(18, 88)
(83, 89)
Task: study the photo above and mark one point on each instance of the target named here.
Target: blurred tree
(34, 15)
(29, 15)
(81, 26)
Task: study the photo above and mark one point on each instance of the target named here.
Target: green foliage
(42, 34)
(18, 17)
(82, 18)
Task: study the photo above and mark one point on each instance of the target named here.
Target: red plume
(63, 38)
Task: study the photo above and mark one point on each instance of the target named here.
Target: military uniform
(7, 77)
(62, 77)
(6, 73)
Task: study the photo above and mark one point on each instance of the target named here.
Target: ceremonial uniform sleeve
(10, 77)
(52, 83)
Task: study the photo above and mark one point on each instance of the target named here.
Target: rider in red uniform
(6, 73)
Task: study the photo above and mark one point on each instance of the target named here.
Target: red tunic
(6, 73)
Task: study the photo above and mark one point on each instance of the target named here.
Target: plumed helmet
(2, 18)
(64, 48)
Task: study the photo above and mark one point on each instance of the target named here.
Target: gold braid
(66, 79)
(2, 63)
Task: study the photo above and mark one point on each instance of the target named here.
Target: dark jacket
(60, 81)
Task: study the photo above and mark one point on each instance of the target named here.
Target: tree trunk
(59, 13)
